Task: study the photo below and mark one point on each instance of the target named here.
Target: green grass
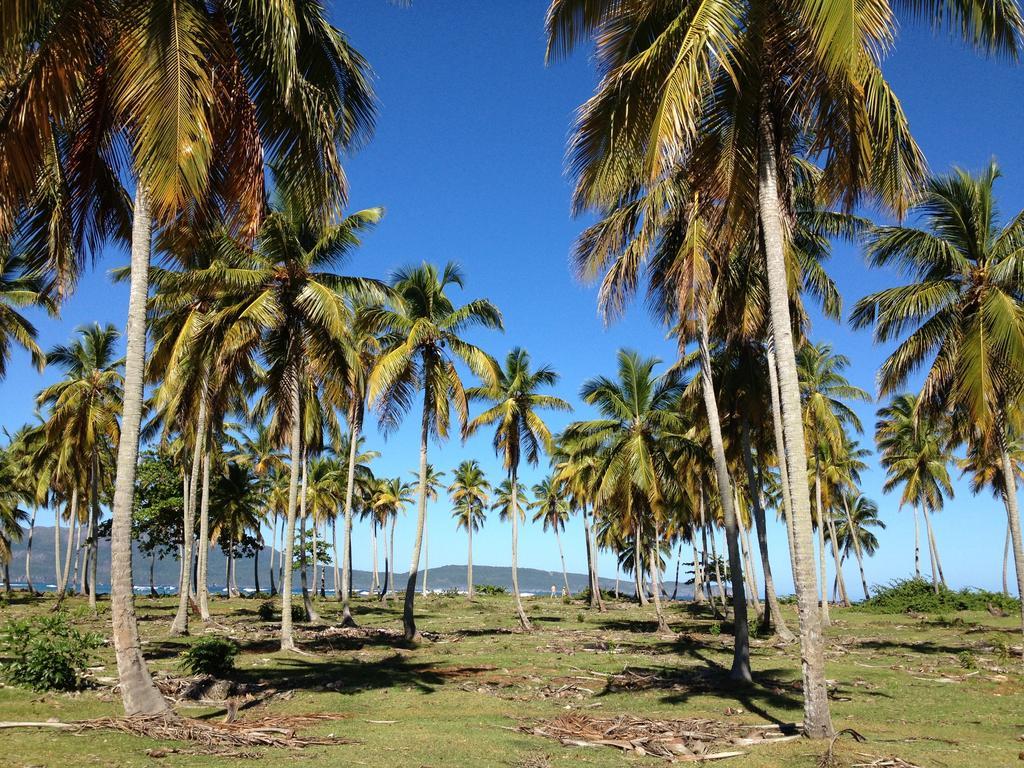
(900, 681)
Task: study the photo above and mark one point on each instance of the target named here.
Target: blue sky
(468, 160)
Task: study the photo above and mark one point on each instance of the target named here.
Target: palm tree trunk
(750, 574)
(741, 647)
(94, 522)
(822, 568)
(58, 574)
(655, 561)
(273, 553)
(719, 578)
(594, 591)
(469, 555)
(346, 570)
(817, 720)
(152, 574)
(917, 545)
(561, 553)
(773, 616)
(698, 576)
(780, 444)
(62, 591)
(138, 692)
(375, 580)
(840, 580)
(203, 547)
(287, 641)
(513, 478)
(1006, 562)
(1013, 520)
(638, 567)
(408, 615)
(75, 584)
(933, 548)
(316, 554)
(592, 541)
(391, 556)
(179, 626)
(855, 540)
(336, 584)
(28, 553)
(307, 603)
(426, 553)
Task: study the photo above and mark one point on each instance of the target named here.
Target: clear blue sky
(468, 159)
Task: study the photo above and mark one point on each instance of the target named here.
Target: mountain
(165, 571)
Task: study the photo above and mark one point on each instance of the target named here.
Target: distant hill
(165, 572)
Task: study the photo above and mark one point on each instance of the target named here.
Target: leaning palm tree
(915, 453)
(391, 498)
(469, 494)
(433, 484)
(964, 311)
(552, 511)
(735, 90)
(853, 532)
(421, 333)
(200, 95)
(519, 432)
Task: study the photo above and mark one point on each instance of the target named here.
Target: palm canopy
(421, 333)
(863, 515)
(470, 493)
(550, 505)
(825, 393)
(519, 431)
(433, 481)
(390, 498)
(502, 503)
(914, 450)
(19, 287)
(961, 312)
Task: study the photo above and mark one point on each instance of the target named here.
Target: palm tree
(422, 341)
(14, 491)
(391, 498)
(963, 308)
(82, 425)
(853, 532)
(520, 433)
(357, 475)
(469, 493)
(914, 450)
(638, 427)
(433, 484)
(723, 87)
(202, 95)
(237, 511)
(19, 288)
(553, 511)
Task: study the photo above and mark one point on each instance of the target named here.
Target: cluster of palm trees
(724, 149)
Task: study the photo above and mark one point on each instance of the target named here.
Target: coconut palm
(519, 432)
(391, 498)
(469, 493)
(853, 531)
(433, 484)
(237, 510)
(422, 341)
(356, 475)
(552, 511)
(964, 316)
(914, 450)
(724, 88)
(19, 288)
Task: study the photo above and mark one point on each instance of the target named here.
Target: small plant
(267, 610)
(450, 592)
(299, 612)
(1002, 649)
(210, 656)
(967, 660)
(47, 654)
(716, 629)
(581, 617)
(489, 589)
(919, 596)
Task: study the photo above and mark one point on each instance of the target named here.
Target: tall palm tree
(914, 450)
(853, 532)
(552, 510)
(82, 424)
(469, 492)
(236, 506)
(519, 432)
(356, 474)
(433, 484)
(14, 491)
(202, 94)
(422, 341)
(391, 498)
(723, 87)
(638, 427)
(964, 312)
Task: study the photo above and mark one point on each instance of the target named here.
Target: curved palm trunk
(822, 567)
(179, 626)
(138, 692)
(346, 570)
(561, 553)
(917, 545)
(840, 579)
(469, 555)
(817, 720)
(933, 548)
(287, 641)
(28, 553)
(741, 648)
(855, 540)
(1013, 520)
(1006, 561)
(780, 443)
(513, 478)
(66, 571)
(203, 546)
(408, 608)
(307, 602)
(655, 564)
(773, 616)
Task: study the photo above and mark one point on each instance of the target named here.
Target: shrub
(267, 610)
(967, 660)
(299, 611)
(47, 654)
(450, 592)
(918, 596)
(607, 594)
(716, 629)
(489, 589)
(210, 656)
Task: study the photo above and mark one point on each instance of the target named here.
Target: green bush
(210, 656)
(299, 611)
(918, 596)
(267, 610)
(489, 589)
(46, 654)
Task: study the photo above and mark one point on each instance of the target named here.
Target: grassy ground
(932, 690)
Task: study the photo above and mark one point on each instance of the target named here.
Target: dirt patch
(677, 740)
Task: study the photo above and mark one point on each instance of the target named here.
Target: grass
(899, 680)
